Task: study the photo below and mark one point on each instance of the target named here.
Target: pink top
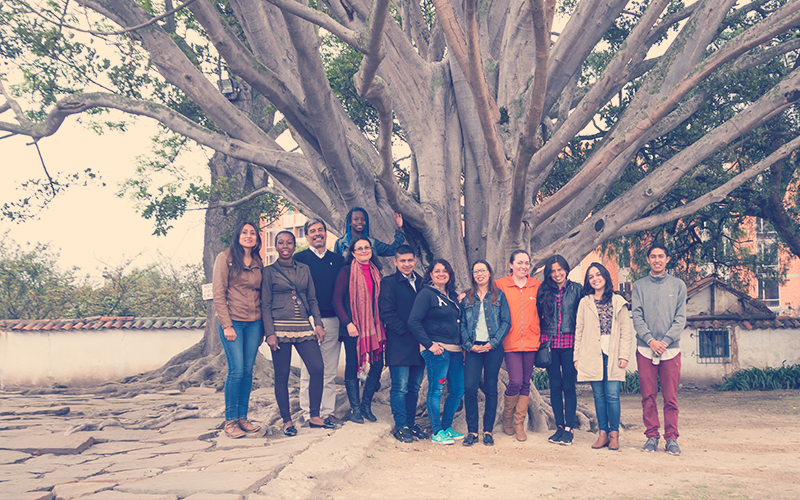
(368, 278)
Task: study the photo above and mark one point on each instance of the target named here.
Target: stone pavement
(92, 447)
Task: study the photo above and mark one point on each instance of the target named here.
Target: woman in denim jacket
(485, 321)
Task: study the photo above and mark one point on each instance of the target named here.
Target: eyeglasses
(480, 271)
(362, 249)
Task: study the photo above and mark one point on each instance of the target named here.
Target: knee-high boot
(509, 403)
(519, 417)
(370, 386)
(355, 402)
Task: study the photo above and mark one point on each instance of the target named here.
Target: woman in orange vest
(521, 343)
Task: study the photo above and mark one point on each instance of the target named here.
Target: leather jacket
(548, 319)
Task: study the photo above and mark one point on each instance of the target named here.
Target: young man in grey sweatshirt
(659, 316)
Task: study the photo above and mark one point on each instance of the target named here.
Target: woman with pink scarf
(355, 299)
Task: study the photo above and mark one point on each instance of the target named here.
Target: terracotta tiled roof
(102, 323)
(753, 323)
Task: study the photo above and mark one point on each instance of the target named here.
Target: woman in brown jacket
(288, 303)
(237, 300)
(603, 336)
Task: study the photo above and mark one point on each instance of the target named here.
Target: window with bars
(715, 345)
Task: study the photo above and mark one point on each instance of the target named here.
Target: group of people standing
(318, 300)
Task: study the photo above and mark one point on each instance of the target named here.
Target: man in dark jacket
(406, 367)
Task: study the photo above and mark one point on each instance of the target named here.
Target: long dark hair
(351, 254)
(608, 291)
(546, 296)
(473, 287)
(236, 249)
(450, 286)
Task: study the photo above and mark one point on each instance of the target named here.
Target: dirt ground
(736, 445)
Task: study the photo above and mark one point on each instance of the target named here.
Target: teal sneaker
(442, 437)
(453, 434)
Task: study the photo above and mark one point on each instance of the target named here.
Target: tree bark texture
(485, 121)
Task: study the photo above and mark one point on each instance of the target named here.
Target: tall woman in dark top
(287, 300)
(237, 287)
(485, 321)
(435, 322)
(355, 298)
(557, 301)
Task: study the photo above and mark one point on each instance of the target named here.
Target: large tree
(487, 96)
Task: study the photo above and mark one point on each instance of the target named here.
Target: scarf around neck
(363, 309)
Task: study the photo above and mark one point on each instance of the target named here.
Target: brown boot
(232, 429)
(519, 417)
(602, 441)
(613, 440)
(247, 426)
(508, 414)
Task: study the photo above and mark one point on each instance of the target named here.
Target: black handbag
(543, 357)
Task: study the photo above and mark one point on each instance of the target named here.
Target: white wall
(749, 348)
(84, 357)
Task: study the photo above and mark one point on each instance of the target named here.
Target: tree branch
(243, 63)
(617, 71)
(375, 53)
(322, 20)
(530, 141)
(453, 33)
(624, 137)
(486, 106)
(713, 196)
(62, 24)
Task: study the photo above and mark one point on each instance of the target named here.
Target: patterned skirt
(295, 330)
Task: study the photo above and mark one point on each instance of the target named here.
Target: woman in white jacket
(603, 336)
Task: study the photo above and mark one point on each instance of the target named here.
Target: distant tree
(33, 286)
(31, 283)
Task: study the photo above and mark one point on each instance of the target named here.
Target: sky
(91, 227)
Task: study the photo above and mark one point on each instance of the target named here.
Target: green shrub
(631, 384)
(539, 379)
(767, 379)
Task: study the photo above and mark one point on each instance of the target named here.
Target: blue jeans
(241, 356)
(404, 393)
(606, 401)
(448, 366)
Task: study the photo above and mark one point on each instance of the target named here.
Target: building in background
(294, 222)
(782, 298)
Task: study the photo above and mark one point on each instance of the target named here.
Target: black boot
(355, 404)
(370, 386)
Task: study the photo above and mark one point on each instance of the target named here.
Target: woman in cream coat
(603, 336)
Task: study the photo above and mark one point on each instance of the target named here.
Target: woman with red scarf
(355, 299)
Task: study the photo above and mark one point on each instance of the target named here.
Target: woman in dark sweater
(557, 301)
(287, 300)
(355, 299)
(435, 322)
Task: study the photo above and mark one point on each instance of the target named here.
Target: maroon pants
(669, 373)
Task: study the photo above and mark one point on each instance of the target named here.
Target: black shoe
(566, 437)
(326, 424)
(290, 431)
(555, 438)
(329, 421)
(403, 435)
(418, 433)
(470, 439)
(488, 440)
